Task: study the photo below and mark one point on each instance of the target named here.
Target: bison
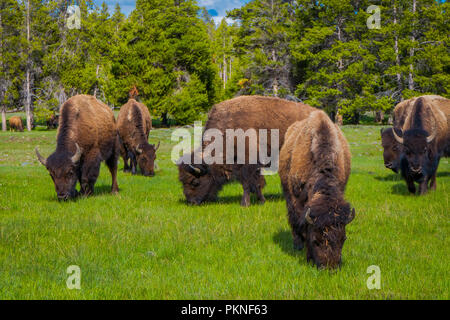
(425, 139)
(392, 149)
(87, 135)
(202, 182)
(15, 123)
(52, 122)
(314, 169)
(134, 124)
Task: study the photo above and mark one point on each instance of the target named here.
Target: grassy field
(146, 243)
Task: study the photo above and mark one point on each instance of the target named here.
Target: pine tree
(11, 19)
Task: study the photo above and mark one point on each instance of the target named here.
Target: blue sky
(217, 8)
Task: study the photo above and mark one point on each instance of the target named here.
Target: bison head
(198, 182)
(392, 150)
(325, 233)
(417, 147)
(63, 168)
(146, 155)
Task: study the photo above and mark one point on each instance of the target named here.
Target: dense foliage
(322, 52)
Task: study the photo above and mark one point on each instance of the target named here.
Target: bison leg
(126, 166)
(112, 166)
(245, 202)
(410, 184)
(423, 186)
(89, 175)
(433, 182)
(133, 162)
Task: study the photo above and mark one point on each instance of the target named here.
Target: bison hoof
(245, 203)
(126, 170)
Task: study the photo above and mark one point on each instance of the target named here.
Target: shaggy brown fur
(425, 141)
(314, 168)
(87, 135)
(134, 124)
(15, 123)
(245, 112)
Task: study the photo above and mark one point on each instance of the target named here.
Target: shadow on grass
(284, 240)
(398, 177)
(271, 197)
(390, 177)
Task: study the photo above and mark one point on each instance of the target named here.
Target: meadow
(147, 243)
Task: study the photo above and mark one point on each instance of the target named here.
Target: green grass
(146, 243)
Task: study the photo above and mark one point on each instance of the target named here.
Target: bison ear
(381, 131)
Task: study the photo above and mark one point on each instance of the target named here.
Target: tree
(263, 45)
(10, 58)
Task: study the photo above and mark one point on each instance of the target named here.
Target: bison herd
(314, 157)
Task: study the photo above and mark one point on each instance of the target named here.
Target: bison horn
(40, 158)
(195, 169)
(157, 147)
(77, 154)
(351, 216)
(432, 136)
(399, 139)
(138, 150)
(307, 217)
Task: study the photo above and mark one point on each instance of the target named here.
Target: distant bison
(134, 124)
(202, 182)
(425, 139)
(52, 122)
(392, 149)
(314, 169)
(15, 123)
(87, 135)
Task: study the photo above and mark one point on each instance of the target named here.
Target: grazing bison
(392, 149)
(134, 124)
(202, 182)
(15, 123)
(87, 135)
(425, 139)
(314, 168)
(52, 122)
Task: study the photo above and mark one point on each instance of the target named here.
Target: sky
(216, 8)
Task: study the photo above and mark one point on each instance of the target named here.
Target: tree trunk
(28, 109)
(96, 77)
(3, 118)
(397, 56)
(411, 53)
(275, 81)
(164, 119)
